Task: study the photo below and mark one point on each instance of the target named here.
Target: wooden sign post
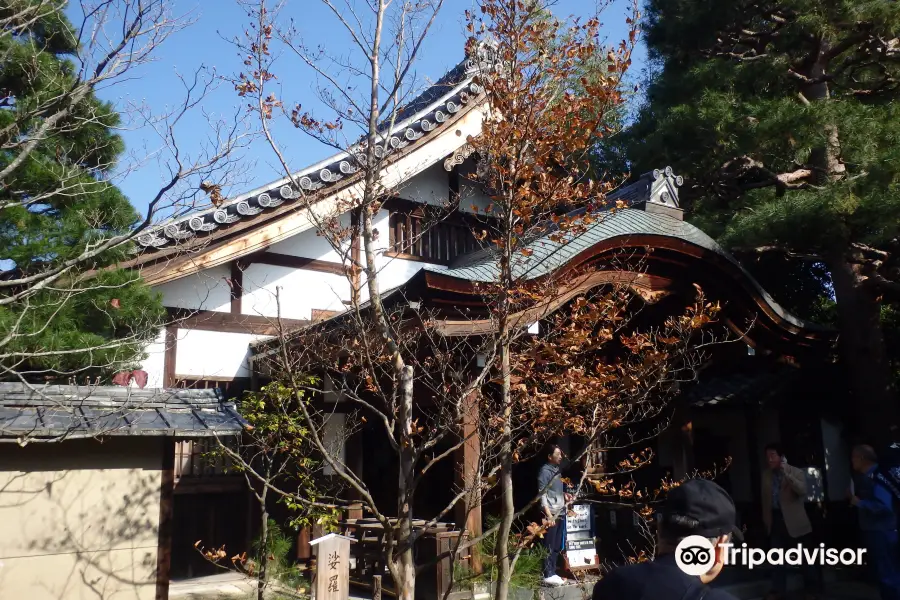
(332, 567)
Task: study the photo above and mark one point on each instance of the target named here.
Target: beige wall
(79, 519)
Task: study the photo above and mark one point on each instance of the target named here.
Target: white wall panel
(309, 244)
(154, 364)
(299, 291)
(431, 186)
(471, 195)
(207, 290)
(206, 354)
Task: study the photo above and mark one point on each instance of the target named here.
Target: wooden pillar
(166, 506)
(170, 355)
(304, 551)
(468, 472)
(237, 286)
(354, 460)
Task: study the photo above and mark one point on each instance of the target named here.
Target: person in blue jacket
(877, 521)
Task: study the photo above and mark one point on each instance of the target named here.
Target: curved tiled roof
(549, 255)
(438, 104)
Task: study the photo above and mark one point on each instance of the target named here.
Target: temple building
(226, 275)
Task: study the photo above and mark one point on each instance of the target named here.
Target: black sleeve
(608, 588)
(717, 594)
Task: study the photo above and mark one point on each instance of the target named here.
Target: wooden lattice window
(199, 458)
(439, 241)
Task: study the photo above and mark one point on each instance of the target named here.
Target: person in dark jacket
(877, 522)
(695, 508)
(553, 508)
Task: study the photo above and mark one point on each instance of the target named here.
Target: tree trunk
(264, 546)
(862, 351)
(507, 507)
(406, 586)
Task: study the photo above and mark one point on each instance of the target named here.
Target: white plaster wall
(208, 354)
(207, 290)
(472, 195)
(431, 186)
(308, 244)
(297, 291)
(154, 364)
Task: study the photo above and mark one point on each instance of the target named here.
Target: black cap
(700, 507)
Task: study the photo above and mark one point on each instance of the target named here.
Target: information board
(581, 551)
(581, 520)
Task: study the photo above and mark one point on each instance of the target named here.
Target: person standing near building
(877, 521)
(785, 518)
(554, 500)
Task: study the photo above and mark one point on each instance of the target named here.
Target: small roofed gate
(212, 505)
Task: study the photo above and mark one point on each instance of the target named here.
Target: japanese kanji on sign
(332, 578)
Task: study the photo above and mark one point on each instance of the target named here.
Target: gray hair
(866, 453)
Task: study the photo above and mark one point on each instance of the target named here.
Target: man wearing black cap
(695, 508)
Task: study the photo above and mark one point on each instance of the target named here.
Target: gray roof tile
(80, 411)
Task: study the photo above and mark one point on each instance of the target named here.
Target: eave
(274, 212)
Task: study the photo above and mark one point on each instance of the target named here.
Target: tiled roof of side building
(96, 411)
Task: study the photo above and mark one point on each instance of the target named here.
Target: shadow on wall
(80, 519)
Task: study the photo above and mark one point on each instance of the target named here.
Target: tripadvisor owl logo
(695, 555)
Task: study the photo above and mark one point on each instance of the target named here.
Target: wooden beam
(237, 286)
(170, 355)
(207, 320)
(296, 262)
(166, 509)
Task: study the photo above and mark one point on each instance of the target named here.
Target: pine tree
(57, 148)
(781, 116)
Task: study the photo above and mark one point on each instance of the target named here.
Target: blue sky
(205, 44)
